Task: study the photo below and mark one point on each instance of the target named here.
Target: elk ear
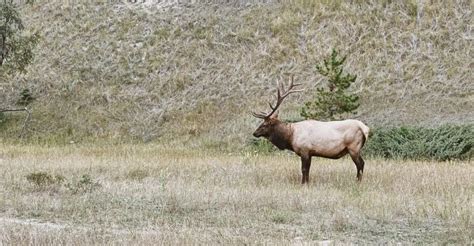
(274, 115)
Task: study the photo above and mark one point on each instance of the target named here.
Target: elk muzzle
(257, 134)
(260, 132)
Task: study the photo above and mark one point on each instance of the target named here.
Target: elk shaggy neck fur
(282, 136)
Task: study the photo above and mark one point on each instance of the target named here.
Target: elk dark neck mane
(282, 136)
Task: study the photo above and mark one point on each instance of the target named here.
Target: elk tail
(365, 130)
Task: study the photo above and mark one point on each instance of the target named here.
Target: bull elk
(308, 138)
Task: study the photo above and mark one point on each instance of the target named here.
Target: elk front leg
(305, 166)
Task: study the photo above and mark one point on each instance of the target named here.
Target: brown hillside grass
(194, 71)
(147, 193)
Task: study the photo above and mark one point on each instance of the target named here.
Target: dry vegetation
(136, 194)
(188, 75)
(114, 70)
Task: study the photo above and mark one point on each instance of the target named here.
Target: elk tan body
(309, 138)
(328, 139)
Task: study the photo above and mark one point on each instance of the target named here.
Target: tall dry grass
(148, 193)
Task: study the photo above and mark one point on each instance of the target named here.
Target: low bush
(83, 185)
(42, 179)
(418, 143)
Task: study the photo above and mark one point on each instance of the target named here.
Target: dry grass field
(138, 194)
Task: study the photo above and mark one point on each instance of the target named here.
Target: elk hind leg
(359, 162)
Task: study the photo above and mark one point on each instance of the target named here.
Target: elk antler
(281, 94)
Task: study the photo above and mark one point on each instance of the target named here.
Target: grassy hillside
(145, 72)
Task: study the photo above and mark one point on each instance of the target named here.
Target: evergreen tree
(333, 100)
(16, 47)
(16, 52)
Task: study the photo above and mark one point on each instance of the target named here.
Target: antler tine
(281, 95)
(282, 89)
(259, 115)
(290, 88)
(292, 84)
(271, 106)
(279, 88)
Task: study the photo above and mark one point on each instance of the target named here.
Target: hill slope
(195, 71)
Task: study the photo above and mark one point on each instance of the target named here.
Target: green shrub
(26, 97)
(442, 143)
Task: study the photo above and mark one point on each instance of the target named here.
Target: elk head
(270, 120)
